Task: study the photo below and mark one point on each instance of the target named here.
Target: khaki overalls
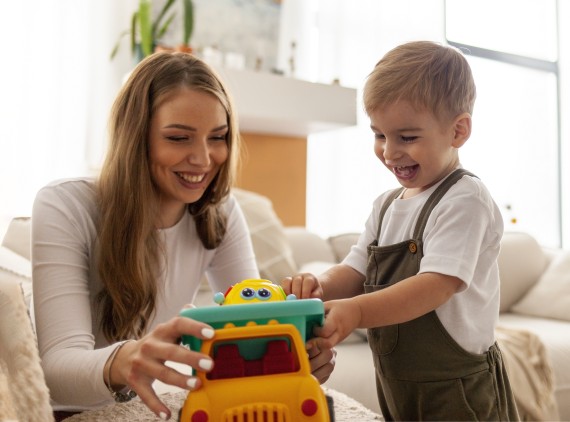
(421, 372)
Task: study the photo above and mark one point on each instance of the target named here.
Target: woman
(116, 258)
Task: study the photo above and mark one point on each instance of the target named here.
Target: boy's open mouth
(406, 172)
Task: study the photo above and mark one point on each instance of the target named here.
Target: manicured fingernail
(191, 382)
(207, 332)
(205, 364)
(163, 416)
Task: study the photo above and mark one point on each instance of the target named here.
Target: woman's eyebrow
(191, 128)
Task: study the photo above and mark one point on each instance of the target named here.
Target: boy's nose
(390, 150)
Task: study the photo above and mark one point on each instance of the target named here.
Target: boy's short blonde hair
(430, 76)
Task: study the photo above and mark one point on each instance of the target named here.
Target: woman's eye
(219, 137)
(177, 138)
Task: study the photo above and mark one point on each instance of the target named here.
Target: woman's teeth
(191, 178)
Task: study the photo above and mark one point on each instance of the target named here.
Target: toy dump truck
(261, 369)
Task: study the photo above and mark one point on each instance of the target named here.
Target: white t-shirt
(461, 239)
(72, 347)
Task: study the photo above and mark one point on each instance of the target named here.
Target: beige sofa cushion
(521, 263)
(342, 243)
(273, 254)
(308, 247)
(550, 297)
(18, 235)
(22, 384)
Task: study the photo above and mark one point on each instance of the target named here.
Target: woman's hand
(139, 363)
(322, 361)
(304, 286)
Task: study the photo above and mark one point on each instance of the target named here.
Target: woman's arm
(62, 239)
(234, 259)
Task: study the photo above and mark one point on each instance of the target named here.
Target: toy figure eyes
(263, 294)
(247, 293)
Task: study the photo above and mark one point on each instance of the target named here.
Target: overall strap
(434, 199)
(393, 195)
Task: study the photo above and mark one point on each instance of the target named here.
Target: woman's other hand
(139, 363)
(322, 361)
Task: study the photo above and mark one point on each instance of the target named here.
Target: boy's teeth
(403, 170)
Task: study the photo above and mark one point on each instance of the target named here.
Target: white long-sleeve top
(462, 239)
(65, 283)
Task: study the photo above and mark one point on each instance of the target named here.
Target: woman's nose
(199, 154)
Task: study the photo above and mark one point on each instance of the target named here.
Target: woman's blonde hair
(130, 252)
(430, 76)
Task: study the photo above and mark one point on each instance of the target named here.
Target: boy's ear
(461, 129)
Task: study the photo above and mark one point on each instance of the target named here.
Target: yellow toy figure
(251, 291)
(261, 368)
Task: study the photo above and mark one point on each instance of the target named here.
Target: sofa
(533, 330)
(534, 324)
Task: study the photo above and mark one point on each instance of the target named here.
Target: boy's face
(417, 148)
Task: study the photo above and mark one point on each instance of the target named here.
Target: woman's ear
(461, 129)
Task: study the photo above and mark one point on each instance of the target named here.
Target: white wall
(564, 53)
(345, 176)
(57, 87)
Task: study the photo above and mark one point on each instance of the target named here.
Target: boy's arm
(341, 281)
(404, 301)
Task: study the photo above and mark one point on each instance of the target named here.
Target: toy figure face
(251, 291)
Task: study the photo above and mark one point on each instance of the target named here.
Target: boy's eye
(409, 138)
(379, 136)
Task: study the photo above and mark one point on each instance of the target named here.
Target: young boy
(427, 260)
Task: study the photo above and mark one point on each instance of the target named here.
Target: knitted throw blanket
(346, 409)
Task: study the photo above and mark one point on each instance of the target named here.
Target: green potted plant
(146, 33)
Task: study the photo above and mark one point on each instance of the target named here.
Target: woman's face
(188, 145)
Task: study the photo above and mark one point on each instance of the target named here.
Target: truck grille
(258, 412)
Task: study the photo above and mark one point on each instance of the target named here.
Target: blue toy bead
(219, 298)
(291, 297)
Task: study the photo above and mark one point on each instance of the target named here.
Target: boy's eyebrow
(403, 129)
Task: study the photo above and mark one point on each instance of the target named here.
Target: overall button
(413, 247)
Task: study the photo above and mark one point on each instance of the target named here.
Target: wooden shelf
(276, 115)
(277, 105)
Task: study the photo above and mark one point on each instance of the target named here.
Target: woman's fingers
(146, 368)
(147, 357)
(151, 400)
(172, 330)
(322, 361)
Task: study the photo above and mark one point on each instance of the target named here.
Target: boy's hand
(304, 286)
(341, 318)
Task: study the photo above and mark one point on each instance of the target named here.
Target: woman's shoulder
(79, 186)
(72, 196)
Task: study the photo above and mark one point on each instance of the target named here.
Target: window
(515, 146)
